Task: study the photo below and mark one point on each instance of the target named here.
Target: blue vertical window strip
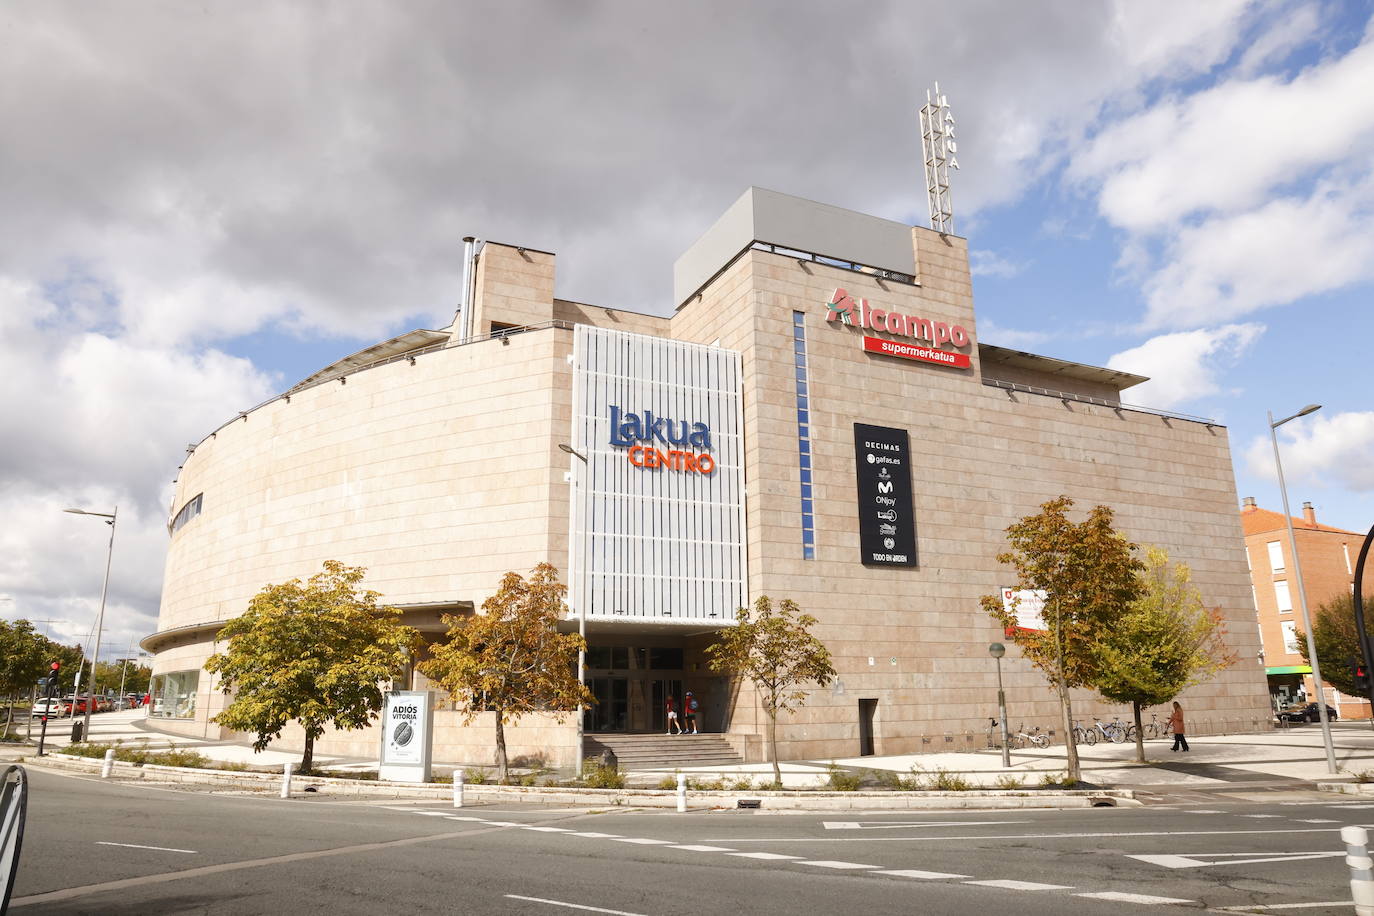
(808, 505)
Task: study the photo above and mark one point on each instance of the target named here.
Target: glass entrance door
(611, 710)
(661, 691)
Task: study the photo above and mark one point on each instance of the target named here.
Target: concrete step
(663, 751)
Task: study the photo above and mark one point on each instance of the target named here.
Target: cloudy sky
(203, 203)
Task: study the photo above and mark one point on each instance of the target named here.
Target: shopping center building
(817, 420)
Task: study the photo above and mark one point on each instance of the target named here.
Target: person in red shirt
(674, 727)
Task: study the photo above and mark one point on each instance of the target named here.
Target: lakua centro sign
(639, 433)
(846, 309)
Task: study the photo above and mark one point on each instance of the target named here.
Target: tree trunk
(9, 720)
(773, 745)
(501, 769)
(1072, 772)
(1139, 733)
(308, 758)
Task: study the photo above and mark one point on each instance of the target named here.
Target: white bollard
(108, 766)
(286, 779)
(457, 788)
(681, 793)
(1361, 869)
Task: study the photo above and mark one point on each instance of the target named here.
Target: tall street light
(581, 623)
(110, 519)
(1302, 591)
(997, 650)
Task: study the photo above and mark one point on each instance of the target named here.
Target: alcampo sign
(639, 433)
(848, 310)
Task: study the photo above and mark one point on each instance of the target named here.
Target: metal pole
(1355, 593)
(1302, 602)
(124, 674)
(99, 626)
(1002, 711)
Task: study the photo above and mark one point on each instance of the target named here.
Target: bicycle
(1153, 729)
(1112, 731)
(1022, 737)
(1083, 735)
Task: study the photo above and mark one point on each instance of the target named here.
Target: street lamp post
(1302, 591)
(997, 650)
(110, 519)
(581, 626)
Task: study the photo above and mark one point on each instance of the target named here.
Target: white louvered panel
(655, 543)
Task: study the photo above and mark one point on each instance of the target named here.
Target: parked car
(52, 708)
(1308, 713)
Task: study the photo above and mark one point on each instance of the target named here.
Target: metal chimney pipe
(460, 318)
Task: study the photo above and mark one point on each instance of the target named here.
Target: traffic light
(1359, 675)
(51, 679)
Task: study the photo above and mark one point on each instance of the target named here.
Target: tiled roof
(1254, 520)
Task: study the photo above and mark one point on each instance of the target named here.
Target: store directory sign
(887, 522)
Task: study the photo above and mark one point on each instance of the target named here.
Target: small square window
(803, 415)
(804, 446)
(806, 491)
(806, 475)
(808, 552)
(804, 462)
(804, 432)
(801, 388)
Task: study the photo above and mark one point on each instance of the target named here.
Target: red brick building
(1328, 561)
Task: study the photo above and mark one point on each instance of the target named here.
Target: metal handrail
(14, 803)
(1101, 402)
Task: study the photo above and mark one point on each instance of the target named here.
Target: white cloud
(1184, 366)
(990, 332)
(1224, 149)
(1332, 450)
(983, 263)
(1275, 254)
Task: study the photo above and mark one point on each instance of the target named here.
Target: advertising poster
(887, 523)
(407, 736)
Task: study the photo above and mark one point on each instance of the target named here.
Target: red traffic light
(56, 666)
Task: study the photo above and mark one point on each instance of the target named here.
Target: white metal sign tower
(940, 149)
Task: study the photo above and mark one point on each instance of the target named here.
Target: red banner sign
(911, 351)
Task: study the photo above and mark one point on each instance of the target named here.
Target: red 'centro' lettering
(643, 456)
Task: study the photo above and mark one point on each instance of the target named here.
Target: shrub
(841, 780)
(1057, 781)
(596, 776)
(1007, 781)
(668, 782)
(1365, 776)
(946, 781)
(742, 784)
(475, 776)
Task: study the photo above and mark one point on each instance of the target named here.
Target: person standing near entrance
(1176, 725)
(690, 708)
(674, 728)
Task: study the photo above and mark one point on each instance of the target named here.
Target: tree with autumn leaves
(317, 653)
(1133, 631)
(510, 659)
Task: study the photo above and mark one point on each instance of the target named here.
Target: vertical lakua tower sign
(887, 523)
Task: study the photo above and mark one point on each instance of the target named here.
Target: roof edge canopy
(1048, 365)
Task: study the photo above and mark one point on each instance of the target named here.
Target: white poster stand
(407, 736)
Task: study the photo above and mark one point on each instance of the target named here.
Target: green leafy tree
(24, 658)
(316, 653)
(1089, 574)
(1165, 642)
(1338, 641)
(774, 650)
(510, 659)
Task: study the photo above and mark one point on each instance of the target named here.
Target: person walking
(1177, 727)
(690, 709)
(674, 727)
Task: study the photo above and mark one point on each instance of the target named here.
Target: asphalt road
(111, 848)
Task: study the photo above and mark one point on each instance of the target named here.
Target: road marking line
(1021, 885)
(879, 825)
(136, 846)
(693, 847)
(1229, 858)
(573, 906)
(550, 829)
(504, 823)
(1207, 811)
(643, 841)
(1261, 815)
(830, 863)
(1009, 836)
(1146, 899)
(592, 835)
(70, 893)
(761, 855)
(1317, 820)
(431, 813)
(1281, 906)
(923, 875)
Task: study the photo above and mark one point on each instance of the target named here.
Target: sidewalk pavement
(1294, 754)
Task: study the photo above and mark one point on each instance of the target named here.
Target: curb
(628, 798)
(1346, 788)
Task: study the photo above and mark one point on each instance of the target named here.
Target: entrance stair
(651, 752)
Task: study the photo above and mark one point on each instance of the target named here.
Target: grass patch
(1364, 776)
(1057, 781)
(841, 780)
(1007, 781)
(141, 756)
(596, 776)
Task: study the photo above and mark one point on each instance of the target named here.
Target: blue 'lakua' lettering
(629, 428)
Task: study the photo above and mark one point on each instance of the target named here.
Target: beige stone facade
(440, 470)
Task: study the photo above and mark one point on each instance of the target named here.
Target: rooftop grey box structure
(760, 215)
